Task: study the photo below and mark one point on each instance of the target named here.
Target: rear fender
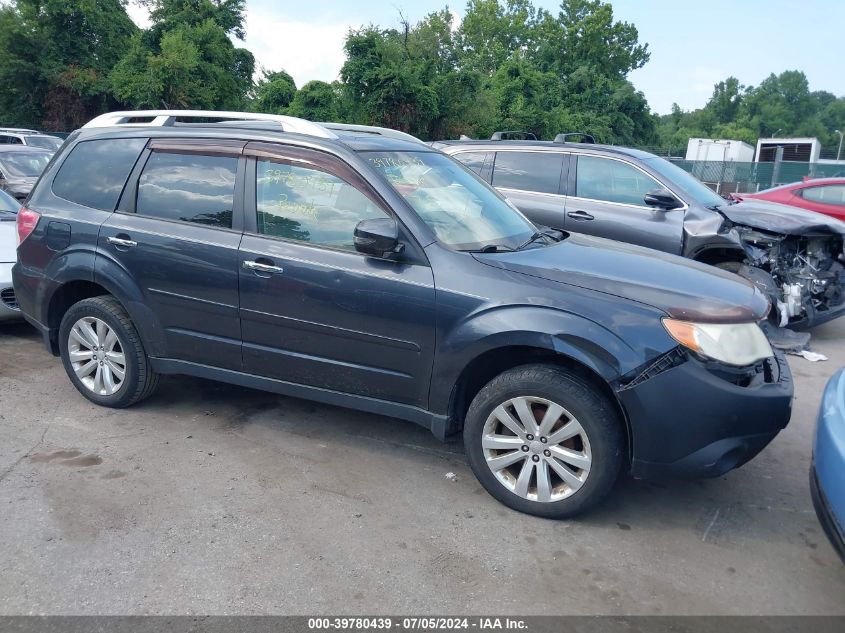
(113, 276)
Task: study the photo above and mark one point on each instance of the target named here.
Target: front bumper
(814, 318)
(698, 419)
(9, 310)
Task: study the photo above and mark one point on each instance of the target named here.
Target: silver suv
(794, 256)
(33, 138)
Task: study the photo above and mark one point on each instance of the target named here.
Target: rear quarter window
(528, 171)
(94, 172)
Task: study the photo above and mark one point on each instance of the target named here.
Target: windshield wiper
(489, 248)
(494, 248)
(534, 237)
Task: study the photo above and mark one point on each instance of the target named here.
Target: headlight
(737, 344)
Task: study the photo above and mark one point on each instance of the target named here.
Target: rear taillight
(27, 221)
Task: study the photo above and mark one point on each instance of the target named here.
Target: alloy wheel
(536, 449)
(96, 355)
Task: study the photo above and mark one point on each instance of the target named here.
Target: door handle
(263, 268)
(580, 215)
(119, 241)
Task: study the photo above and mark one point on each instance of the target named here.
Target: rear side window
(528, 171)
(189, 188)
(829, 194)
(94, 172)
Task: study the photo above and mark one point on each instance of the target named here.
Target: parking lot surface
(213, 499)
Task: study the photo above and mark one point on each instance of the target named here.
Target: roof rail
(371, 129)
(499, 136)
(164, 118)
(585, 138)
(19, 130)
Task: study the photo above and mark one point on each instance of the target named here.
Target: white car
(9, 310)
(32, 138)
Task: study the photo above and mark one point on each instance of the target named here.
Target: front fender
(564, 333)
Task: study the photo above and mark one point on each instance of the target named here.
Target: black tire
(597, 416)
(140, 380)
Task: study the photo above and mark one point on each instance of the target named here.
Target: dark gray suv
(359, 269)
(794, 256)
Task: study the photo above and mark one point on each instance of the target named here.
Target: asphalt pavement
(213, 499)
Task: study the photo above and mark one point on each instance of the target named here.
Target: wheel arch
(489, 364)
(109, 279)
(66, 295)
(718, 254)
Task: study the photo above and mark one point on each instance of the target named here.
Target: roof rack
(585, 138)
(19, 130)
(166, 118)
(500, 136)
(370, 129)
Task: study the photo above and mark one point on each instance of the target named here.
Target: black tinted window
(94, 172)
(473, 160)
(528, 171)
(188, 187)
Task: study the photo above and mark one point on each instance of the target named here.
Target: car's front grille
(7, 296)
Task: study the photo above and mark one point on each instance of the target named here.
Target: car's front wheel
(103, 354)
(544, 441)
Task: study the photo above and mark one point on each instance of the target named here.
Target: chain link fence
(732, 177)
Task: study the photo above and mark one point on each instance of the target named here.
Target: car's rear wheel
(103, 354)
(544, 441)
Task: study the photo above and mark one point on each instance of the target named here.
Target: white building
(800, 149)
(719, 150)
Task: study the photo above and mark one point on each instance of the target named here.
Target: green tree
(55, 58)
(726, 100)
(274, 92)
(186, 59)
(390, 85)
(317, 101)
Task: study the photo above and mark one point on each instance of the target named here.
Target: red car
(823, 195)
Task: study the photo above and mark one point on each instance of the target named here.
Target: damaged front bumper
(695, 418)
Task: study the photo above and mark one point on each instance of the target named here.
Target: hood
(8, 239)
(781, 218)
(682, 288)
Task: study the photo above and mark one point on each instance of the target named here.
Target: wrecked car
(794, 256)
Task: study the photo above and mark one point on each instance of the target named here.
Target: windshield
(463, 211)
(700, 192)
(47, 142)
(24, 164)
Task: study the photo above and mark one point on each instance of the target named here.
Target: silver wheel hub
(536, 449)
(96, 356)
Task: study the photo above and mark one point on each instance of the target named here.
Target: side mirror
(378, 237)
(662, 198)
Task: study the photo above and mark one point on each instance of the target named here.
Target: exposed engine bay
(803, 275)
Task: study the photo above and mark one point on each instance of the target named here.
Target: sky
(694, 43)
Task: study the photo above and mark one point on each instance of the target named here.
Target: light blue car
(827, 475)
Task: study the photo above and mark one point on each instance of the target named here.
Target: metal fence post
(778, 161)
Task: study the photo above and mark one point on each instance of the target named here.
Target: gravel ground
(211, 499)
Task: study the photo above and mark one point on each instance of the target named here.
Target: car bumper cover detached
(697, 418)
